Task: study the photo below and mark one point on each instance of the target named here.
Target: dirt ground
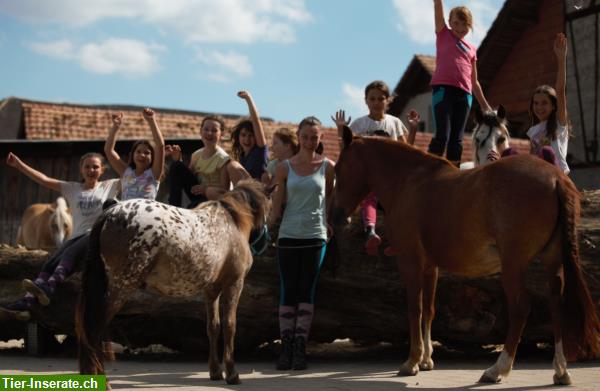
(338, 366)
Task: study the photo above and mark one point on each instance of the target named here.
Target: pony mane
(247, 204)
(412, 156)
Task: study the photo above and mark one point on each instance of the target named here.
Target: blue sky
(296, 57)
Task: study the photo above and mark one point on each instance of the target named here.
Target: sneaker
(373, 242)
(18, 310)
(40, 290)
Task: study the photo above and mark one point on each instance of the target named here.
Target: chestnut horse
(494, 218)
(174, 252)
(45, 226)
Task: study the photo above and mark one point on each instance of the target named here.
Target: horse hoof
(426, 365)
(563, 380)
(235, 379)
(486, 378)
(406, 370)
(216, 376)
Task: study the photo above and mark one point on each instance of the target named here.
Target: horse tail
(90, 315)
(581, 326)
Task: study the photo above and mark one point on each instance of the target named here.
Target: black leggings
(451, 106)
(300, 262)
(182, 179)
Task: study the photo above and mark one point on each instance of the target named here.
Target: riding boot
(284, 362)
(299, 356)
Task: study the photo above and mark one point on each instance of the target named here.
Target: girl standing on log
(85, 200)
(305, 182)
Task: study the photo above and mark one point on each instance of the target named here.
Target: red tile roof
(51, 121)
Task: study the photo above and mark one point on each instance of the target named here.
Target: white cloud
(224, 67)
(354, 100)
(416, 18)
(238, 21)
(127, 57)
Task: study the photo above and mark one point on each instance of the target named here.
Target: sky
(296, 57)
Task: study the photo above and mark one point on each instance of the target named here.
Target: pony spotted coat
(174, 252)
(495, 218)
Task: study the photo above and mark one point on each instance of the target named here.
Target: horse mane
(247, 204)
(412, 156)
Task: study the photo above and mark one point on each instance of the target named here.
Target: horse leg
(561, 375)
(513, 282)
(231, 298)
(552, 259)
(414, 293)
(213, 329)
(429, 286)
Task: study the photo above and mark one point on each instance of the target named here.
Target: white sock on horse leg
(560, 362)
(502, 366)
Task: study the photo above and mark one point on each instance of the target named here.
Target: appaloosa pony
(174, 252)
(494, 218)
(45, 226)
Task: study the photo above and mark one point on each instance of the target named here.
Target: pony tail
(581, 326)
(90, 316)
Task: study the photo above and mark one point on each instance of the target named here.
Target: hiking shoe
(40, 290)
(372, 244)
(18, 310)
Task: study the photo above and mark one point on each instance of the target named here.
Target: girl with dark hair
(141, 174)
(549, 131)
(249, 141)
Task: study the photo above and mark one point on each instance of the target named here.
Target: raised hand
(413, 118)
(560, 46)
(174, 151)
(148, 114)
(340, 119)
(117, 120)
(244, 95)
(12, 160)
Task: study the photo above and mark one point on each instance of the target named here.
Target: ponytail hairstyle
(312, 121)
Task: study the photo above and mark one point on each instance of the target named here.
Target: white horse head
(61, 222)
(490, 134)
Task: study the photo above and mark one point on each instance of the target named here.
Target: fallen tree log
(365, 301)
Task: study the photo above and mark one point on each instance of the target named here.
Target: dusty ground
(336, 367)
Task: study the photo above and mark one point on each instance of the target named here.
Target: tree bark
(365, 301)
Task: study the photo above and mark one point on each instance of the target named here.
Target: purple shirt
(255, 162)
(454, 61)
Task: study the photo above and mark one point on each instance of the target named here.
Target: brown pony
(494, 218)
(175, 252)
